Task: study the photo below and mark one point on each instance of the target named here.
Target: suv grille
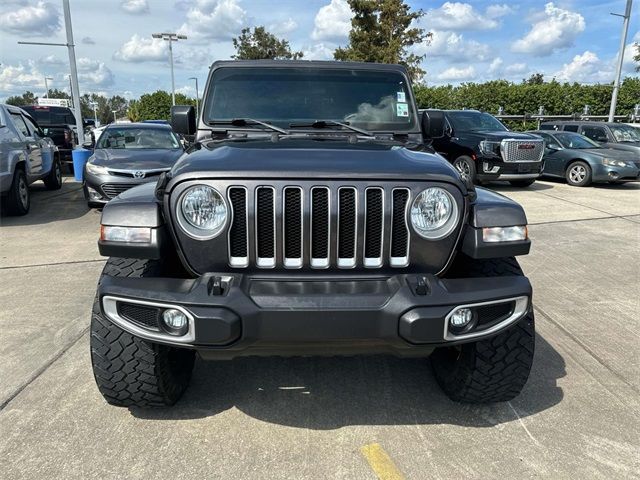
(522, 150)
(345, 210)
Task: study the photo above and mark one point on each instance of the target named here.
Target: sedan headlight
(612, 162)
(434, 213)
(202, 212)
(94, 169)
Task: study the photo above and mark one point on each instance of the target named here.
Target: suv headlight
(434, 213)
(202, 212)
(489, 148)
(613, 162)
(94, 169)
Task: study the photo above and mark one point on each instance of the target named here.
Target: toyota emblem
(138, 174)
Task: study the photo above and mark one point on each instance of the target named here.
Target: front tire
(129, 371)
(578, 174)
(466, 167)
(491, 370)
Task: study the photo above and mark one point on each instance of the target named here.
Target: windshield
(574, 140)
(371, 100)
(138, 138)
(469, 121)
(625, 133)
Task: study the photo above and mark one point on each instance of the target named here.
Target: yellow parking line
(380, 462)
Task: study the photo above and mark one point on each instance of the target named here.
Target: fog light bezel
(170, 329)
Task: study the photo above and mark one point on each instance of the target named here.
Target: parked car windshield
(575, 140)
(369, 99)
(625, 133)
(138, 138)
(469, 121)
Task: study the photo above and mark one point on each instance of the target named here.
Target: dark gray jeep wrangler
(310, 217)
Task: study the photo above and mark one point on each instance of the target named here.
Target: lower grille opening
(491, 314)
(144, 316)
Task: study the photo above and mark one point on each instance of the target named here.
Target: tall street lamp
(115, 120)
(171, 37)
(95, 112)
(623, 41)
(197, 96)
(46, 86)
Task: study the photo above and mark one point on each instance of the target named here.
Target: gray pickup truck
(26, 156)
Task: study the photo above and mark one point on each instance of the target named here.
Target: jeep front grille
(513, 150)
(320, 227)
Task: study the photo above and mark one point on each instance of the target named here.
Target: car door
(46, 150)
(553, 162)
(443, 145)
(32, 147)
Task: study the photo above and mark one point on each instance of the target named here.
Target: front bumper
(606, 173)
(495, 169)
(235, 315)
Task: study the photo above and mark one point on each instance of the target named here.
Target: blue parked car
(582, 161)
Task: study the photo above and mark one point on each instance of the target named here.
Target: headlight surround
(94, 169)
(202, 212)
(488, 147)
(612, 162)
(434, 213)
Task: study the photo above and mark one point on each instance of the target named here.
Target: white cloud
(17, 79)
(333, 21)
(88, 41)
(135, 7)
(94, 73)
(284, 27)
(214, 20)
(462, 16)
(39, 20)
(453, 46)
(496, 65)
(319, 51)
(52, 60)
(586, 67)
(457, 74)
(555, 29)
(142, 49)
(516, 68)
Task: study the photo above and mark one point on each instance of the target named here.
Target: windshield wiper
(243, 122)
(331, 123)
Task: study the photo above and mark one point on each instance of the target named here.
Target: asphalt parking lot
(321, 418)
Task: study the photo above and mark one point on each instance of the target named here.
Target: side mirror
(432, 124)
(183, 119)
(88, 145)
(553, 146)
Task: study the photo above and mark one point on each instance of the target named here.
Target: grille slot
(374, 225)
(147, 317)
(320, 227)
(112, 190)
(399, 229)
(239, 231)
(265, 227)
(347, 226)
(292, 227)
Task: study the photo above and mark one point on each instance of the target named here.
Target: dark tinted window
(574, 140)
(18, 121)
(570, 128)
(548, 126)
(373, 100)
(469, 121)
(595, 133)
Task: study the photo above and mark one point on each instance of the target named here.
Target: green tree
(382, 31)
(157, 105)
(27, 98)
(534, 79)
(636, 57)
(261, 44)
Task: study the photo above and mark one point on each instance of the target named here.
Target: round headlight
(434, 213)
(202, 212)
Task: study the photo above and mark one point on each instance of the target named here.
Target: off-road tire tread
(129, 371)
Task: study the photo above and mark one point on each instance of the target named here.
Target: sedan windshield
(575, 140)
(625, 133)
(138, 138)
(470, 121)
(369, 99)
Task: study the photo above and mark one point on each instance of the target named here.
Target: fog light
(94, 194)
(175, 321)
(461, 317)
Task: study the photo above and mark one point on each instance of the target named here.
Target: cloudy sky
(472, 41)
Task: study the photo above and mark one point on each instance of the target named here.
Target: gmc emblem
(526, 146)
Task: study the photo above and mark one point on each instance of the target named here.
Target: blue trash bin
(80, 157)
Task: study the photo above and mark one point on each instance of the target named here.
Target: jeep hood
(314, 159)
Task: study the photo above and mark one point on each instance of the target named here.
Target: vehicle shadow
(49, 206)
(507, 187)
(329, 393)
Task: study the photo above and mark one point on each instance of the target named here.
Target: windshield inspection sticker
(402, 97)
(402, 110)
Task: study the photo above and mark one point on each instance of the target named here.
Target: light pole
(95, 112)
(70, 90)
(623, 41)
(114, 115)
(46, 86)
(171, 37)
(197, 96)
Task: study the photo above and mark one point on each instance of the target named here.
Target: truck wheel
(578, 174)
(466, 166)
(129, 371)
(53, 181)
(19, 197)
(491, 370)
(522, 183)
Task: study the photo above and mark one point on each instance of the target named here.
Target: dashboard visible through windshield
(368, 99)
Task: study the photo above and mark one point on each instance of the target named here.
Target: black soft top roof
(310, 64)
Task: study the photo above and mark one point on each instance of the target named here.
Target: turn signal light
(125, 234)
(504, 234)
